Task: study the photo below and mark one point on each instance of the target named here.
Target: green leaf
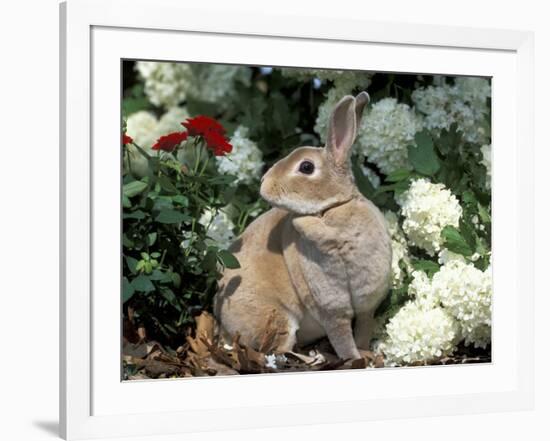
(362, 182)
(163, 203)
(127, 290)
(448, 139)
(157, 275)
(171, 217)
(455, 242)
(422, 156)
(135, 100)
(398, 175)
(176, 279)
(167, 185)
(133, 105)
(228, 259)
(143, 284)
(132, 264)
(126, 201)
(428, 266)
(469, 198)
(209, 261)
(397, 187)
(197, 107)
(127, 242)
(169, 295)
(468, 233)
(483, 214)
(222, 179)
(181, 200)
(393, 301)
(133, 188)
(228, 194)
(138, 214)
(151, 238)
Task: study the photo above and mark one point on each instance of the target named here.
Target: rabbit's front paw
(314, 229)
(307, 224)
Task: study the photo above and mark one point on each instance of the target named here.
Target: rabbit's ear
(361, 101)
(342, 129)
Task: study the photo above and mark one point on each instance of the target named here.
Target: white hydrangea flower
(486, 161)
(446, 256)
(145, 129)
(473, 90)
(245, 161)
(142, 127)
(344, 84)
(466, 292)
(400, 250)
(420, 289)
(462, 290)
(427, 209)
(168, 84)
(418, 334)
(171, 121)
(385, 132)
(214, 82)
(464, 103)
(336, 75)
(219, 227)
(270, 361)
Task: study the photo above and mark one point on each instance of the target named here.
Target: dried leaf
(379, 361)
(139, 350)
(255, 357)
(219, 368)
(269, 335)
(218, 353)
(315, 358)
(142, 334)
(205, 324)
(205, 330)
(368, 355)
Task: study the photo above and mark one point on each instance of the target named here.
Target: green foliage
(455, 242)
(135, 100)
(428, 266)
(422, 155)
(170, 266)
(396, 298)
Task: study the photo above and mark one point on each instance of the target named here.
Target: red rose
(217, 143)
(170, 142)
(126, 139)
(201, 125)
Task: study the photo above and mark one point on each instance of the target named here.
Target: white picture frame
(94, 403)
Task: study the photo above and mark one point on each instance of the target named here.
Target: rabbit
(319, 261)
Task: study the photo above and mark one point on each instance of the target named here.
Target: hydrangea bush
(198, 137)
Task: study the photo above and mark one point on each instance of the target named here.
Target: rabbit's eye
(307, 167)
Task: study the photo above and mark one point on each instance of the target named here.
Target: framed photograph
(315, 222)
